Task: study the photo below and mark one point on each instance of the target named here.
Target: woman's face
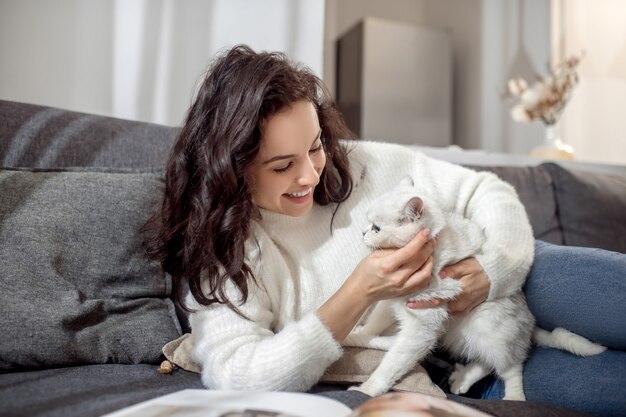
(290, 161)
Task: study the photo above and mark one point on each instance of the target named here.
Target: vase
(553, 146)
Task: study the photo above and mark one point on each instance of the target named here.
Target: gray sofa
(85, 315)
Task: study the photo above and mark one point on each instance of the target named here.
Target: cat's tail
(560, 338)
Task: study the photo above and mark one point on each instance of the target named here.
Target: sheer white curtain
(140, 59)
(593, 122)
(163, 47)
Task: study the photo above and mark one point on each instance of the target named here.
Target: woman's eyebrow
(279, 157)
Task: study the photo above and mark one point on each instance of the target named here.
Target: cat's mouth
(376, 245)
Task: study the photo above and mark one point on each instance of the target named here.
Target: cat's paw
(458, 380)
(515, 396)
(357, 339)
(359, 389)
(370, 388)
(382, 342)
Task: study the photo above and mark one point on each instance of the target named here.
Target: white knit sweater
(299, 265)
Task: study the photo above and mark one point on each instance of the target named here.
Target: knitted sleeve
(247, 354)
(493, 204)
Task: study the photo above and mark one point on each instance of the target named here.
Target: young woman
(261, 223)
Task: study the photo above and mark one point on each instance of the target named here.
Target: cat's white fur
(493, 337)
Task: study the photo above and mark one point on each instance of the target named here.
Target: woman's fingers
(413, 255)
(416, 404)
(425, 304)
(474, 283)
(412, 269)
(415, 281)
(420, 278)
(475, 286)
(398, 272)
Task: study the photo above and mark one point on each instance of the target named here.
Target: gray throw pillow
(592, 207)
(77, 287)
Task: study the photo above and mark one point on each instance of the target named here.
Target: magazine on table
(207, 403)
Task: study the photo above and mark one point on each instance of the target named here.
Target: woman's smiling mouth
(299, 194)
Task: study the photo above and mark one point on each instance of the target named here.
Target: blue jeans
(582, 290)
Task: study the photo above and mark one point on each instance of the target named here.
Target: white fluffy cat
(494, 337)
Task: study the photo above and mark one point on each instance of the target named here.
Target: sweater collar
(278, 220)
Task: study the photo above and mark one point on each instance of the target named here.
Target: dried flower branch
(547, 97)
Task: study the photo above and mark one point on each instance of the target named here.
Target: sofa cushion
(591, 206)
(353, 368)
(76, 285)
(86, 391)
(536, 191)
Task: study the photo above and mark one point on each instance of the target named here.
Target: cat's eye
(375, 228)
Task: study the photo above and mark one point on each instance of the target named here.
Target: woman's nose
(308, 174)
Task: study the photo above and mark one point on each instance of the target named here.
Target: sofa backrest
(565, 206)
(535, 188)
(44, 137)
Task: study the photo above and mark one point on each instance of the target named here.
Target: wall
(594, 122)
(464, 21)
(494, 41)
(140, 59)
(57, 53)
(521, 29)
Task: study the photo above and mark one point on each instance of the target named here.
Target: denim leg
(582, 290)
(594, 385)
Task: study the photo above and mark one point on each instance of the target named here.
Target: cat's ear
(414, 208)
(406, 182)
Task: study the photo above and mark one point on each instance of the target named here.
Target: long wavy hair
(200, 230)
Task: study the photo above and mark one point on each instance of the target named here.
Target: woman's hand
(381, 275)
(392, 273)
(414, 404)
(474, 286)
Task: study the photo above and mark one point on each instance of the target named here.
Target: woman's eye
(375, 228)
(317, 149)
(283, 169)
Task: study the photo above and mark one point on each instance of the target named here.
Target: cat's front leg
(395, 364)
(379, 319)
(357, 339)
(464, 376)
(417, 337)
(367, 335)
(372, 387)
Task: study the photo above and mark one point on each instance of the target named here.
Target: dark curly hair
(204, 220)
